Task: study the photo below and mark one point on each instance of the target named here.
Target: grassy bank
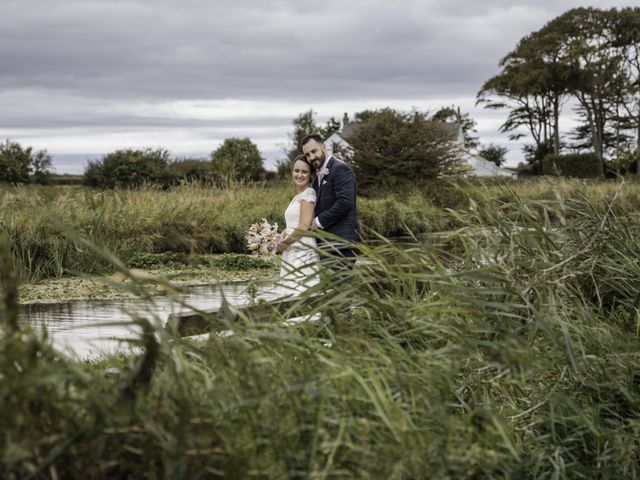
(182, 270)
(512, 353)
(47, 226)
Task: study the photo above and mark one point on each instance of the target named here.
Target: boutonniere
(323, 171)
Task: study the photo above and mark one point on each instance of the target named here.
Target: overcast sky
(84, 78)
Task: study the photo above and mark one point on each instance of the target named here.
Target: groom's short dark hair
(312, 136)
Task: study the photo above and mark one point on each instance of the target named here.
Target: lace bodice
(292, 213)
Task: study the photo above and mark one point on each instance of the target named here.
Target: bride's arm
(306, 217)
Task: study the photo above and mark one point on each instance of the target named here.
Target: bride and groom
(325, 199)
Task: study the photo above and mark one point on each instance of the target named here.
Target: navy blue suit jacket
(336, 201)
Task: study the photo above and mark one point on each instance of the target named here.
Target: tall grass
(187, 219)
(509, 352)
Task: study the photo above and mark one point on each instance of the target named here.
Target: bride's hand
(282, 246)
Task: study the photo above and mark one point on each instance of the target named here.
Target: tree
(190, 170)
(468, 124)
(589, 44)
(41, 164)
(128, 168)
(330, 128)
(391, 147)
(533, 85)
(626, 34)
(592, 55)
(534, 155)
(237, 159)
(14, 162)
(283, 169)
(22, 165)
(601, 47)
(305, 124)
(493, 153)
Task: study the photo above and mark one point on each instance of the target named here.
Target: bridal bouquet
(263, 238)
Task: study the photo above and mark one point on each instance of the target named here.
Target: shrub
(625, 161)
(191, 170)
(238, 159)
(226, 261)
(391, 146)
(583, 165)
(494, 153)
(129, 168)
(22, 165)
(157, 260)
(229, 261)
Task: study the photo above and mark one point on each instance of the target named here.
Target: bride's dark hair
(304, 159)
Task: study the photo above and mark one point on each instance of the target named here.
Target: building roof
(482, 167)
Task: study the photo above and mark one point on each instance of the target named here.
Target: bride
(299, 255)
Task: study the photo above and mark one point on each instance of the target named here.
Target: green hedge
(582, 165)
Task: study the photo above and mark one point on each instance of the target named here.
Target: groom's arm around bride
(335, 186)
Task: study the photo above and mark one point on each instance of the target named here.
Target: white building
(337, 142)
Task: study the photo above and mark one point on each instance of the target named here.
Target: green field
(506, 349)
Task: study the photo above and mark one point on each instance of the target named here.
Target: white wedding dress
(299, 269)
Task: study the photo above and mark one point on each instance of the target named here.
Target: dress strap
(308, 195)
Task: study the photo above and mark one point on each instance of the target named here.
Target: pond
(91, 328)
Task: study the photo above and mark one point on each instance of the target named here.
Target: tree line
(389, 147)
(590, 57)
(237, 159)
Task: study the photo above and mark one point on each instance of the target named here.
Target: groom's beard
(320, 161)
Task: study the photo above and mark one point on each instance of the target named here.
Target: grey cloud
(123, 121)
(200, 50)
(87, 53)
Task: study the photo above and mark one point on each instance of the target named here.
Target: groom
(335, 186)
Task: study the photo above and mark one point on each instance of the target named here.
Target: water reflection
(89, 328)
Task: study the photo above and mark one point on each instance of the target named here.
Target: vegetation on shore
(510, 351)
(180, 269)
(45, 226)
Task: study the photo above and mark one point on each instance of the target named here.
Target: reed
(187, 219)
(509, 350)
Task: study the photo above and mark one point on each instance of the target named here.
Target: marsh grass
(184, 220)
(508, 351)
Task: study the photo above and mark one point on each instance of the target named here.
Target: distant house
(479, 166)
(337, 143)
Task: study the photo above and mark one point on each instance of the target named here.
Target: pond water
(90, 328)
